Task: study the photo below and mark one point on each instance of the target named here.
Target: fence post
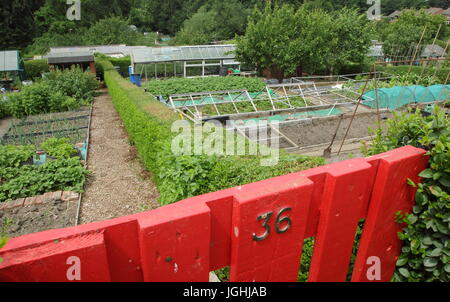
(268, 227)
(175, 243)
(343, 199)
(391, 194)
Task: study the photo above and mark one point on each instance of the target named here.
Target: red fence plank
(53, 261)
(272, 253)
(343, 199)
(391, 194)
(175, 242)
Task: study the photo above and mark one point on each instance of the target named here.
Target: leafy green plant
(426, 252)
(60, 91)
(58, 148)
(184, 85)
(20, 180)
(35, 68)
(4, 227)
(14, 156)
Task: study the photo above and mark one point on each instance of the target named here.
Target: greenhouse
(202, 60)
(273, 100)
(399, 96)
(11, 67)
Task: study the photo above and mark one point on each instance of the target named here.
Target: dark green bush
(426, 252)
(148, 123)
(123, 63)
(35, 68)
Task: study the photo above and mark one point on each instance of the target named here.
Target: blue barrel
(135, 79)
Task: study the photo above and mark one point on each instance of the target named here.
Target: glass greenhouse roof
(183, 53)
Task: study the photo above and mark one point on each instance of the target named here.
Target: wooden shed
(64, 60)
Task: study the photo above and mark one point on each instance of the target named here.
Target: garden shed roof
(71, 57)
(10, 60)
(433, 51)
(183, 53)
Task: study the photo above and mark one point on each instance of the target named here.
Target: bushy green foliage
(123, 63)
(20, 179)
(60, 91)
(440, 73)
(74, 83)
(217, 21)
(35, 68)
(408, 29)
(184, 85)
(426, 252)
(280, 39)
(148, 123)
(4, 110)
(14, 156)
(58, 148)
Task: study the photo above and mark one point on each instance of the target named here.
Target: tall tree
(405, 32)
(282, 38)
(16, 22)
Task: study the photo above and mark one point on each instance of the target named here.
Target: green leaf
(402, 261)
(428, 173)
(404, 272)
(430, 262)
(447, 267)
(411, 183)
(436, 252)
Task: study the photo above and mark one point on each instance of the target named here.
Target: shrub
(19, 179)
(123, 63)
(4, 109)
(148, 123)
(58, 148)
(35, 68)
(60, 91)
(74, 83)
(426, 252)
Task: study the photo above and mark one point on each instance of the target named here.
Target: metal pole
(356, 109)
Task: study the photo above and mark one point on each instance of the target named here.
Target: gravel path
(118, 185)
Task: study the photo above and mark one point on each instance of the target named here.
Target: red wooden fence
(257, 229)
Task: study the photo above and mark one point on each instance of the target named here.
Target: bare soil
(37, 218)
(118, 185)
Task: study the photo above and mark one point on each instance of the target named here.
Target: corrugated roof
(104, 49)
(433, 51)
(71, 57)
(9, 60)
(183, 53)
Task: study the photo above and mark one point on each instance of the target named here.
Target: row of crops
(46, 141)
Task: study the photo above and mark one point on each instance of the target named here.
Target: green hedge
(123, 63)
(35, 68)
(148, 123)
(442, 73)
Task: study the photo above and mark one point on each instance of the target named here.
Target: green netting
(399, 96)
(298, 115)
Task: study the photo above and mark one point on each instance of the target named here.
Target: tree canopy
(280, 39)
